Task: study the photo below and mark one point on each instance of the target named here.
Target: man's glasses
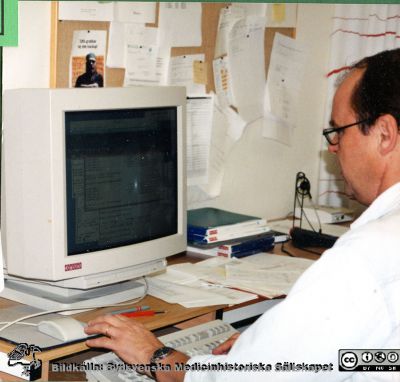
(333, 134)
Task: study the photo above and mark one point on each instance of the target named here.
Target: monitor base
(68, 300)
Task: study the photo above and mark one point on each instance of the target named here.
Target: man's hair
(378, 90)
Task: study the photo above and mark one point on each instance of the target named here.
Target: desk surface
(175, 313)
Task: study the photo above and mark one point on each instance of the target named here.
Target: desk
(174, 314)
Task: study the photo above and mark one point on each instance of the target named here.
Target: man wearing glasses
(350, 298)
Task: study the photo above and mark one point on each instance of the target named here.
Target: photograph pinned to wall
(88, 59)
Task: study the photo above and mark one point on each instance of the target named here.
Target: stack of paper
(208, 282)
(177, 286)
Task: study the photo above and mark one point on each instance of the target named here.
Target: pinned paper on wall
(285, 75)
(222, 83)
(181, 73)
(228, 16)
(200, 72)
(141, 64)
(116, 54)
(281, 15)
(87, 62)
(246, 66)
(278, 12)
(86, 10)
(180, 24)
(135, 12)
(252, 9)
(198, 138)
(227, 127)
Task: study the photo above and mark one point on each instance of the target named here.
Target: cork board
(63, 32)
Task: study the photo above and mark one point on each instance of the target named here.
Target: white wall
(28, 65)
(260, 174)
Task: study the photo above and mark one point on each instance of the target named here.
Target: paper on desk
(246, 61)
(180, 24)
(270, 275)
(195, 294)
(265, 274)
(198, 127)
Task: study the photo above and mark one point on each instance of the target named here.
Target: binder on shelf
(205, 245)
(211, 221)
(212, 225)
(241, 254)
(192, 237)
(261, 244)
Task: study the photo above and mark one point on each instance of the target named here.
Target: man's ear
(388, 133)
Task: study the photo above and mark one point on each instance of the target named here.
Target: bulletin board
(62, 33)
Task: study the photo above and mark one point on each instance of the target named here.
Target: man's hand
(133, 343)
(226, 346)
(129, 339)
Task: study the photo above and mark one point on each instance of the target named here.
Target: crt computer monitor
(93, 192)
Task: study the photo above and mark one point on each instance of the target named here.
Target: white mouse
(63, 328)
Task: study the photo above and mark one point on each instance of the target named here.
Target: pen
(134, 309)
(143, 313)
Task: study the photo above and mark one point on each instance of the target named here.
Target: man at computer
(350, 298)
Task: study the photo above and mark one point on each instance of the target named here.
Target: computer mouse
(63, 328)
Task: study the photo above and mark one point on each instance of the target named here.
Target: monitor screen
(121, 177)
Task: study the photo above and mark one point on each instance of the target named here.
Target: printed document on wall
(227, 128)
(182, 73)
(135, 12)
(252, 9)
(91, 71)
(180, 24)
(86, 10)
(228, 16)
(246, 66)
(282, 90)
(219, 148)
(141, 65)
(222, 81)
(122, 34)
(198, 138)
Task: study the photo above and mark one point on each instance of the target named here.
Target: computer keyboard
(198, 340)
